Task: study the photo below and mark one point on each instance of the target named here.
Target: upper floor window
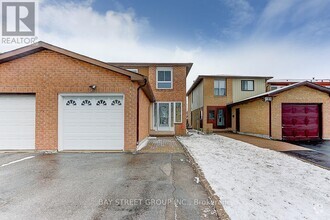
(247, 85)
(220, 87)
(164, 78)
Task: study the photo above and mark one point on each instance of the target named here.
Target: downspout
(138, 110)
(270, 120)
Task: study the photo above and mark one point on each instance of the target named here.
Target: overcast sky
(280, 38)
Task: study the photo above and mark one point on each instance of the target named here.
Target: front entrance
(163, 116)
(217, 116)
(238, 123)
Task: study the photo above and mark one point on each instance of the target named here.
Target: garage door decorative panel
(93, 124)
(300, 122)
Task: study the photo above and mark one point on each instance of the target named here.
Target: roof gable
(39, 46)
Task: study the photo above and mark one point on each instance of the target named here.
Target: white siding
(238, 94)
(197, 97)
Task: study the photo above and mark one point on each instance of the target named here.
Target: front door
(238, 123)
(217, 116)
(164, 116)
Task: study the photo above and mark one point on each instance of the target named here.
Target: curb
(222, 214)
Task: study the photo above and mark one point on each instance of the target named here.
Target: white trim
(142, 144)
(156, 128)
(133, 70)
(164, 69)
(174, 112)
(61, 109)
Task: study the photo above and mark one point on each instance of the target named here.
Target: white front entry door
(17, 122)
(163, 115)
(92, 122)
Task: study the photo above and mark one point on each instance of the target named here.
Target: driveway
(319, 152)
(315, 153)
(100, 186)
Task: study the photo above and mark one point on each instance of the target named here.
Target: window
(220, 87)
(273, 88)
(164, 78)
(247, 85)
(221, 118)
(178, 112)
(211, 115)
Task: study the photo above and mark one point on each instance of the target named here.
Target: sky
(279, 38)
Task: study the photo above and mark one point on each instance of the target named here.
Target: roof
(296, 80)
(283, 89)
(39, 46)
(200, 78)
(128, 64)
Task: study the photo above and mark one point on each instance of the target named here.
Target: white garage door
(92, 123)
(17, 122)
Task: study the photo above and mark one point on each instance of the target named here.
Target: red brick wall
(178, 93)
(48, 74)
(144, 116)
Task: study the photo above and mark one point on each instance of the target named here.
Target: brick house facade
(297, 112)
(46, 72)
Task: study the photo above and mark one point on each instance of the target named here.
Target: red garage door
(300, 122)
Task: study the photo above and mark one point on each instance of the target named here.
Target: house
(210, 95)
(273, 84)
(55, 99)
(297, 112)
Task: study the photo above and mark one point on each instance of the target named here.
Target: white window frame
(219, 89)
(171, 112)
(174, 113)
(164, 69)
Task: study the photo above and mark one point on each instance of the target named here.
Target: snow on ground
(256, 183)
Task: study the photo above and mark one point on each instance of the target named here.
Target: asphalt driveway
(100, 186)
(318, 153)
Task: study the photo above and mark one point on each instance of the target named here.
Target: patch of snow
(257, 183)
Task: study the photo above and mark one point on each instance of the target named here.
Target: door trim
(60, 110)
(215, 120)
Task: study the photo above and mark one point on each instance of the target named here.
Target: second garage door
(17, 122)
(300, 122)
(92, 123)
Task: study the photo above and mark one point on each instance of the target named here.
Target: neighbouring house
(273, 84)
(210, 95)
(297, 112)
(55, 99)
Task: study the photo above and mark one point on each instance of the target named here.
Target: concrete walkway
(162, 145)
(264, 143)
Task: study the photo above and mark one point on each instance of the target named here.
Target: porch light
(93, 87)
(268, 99)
